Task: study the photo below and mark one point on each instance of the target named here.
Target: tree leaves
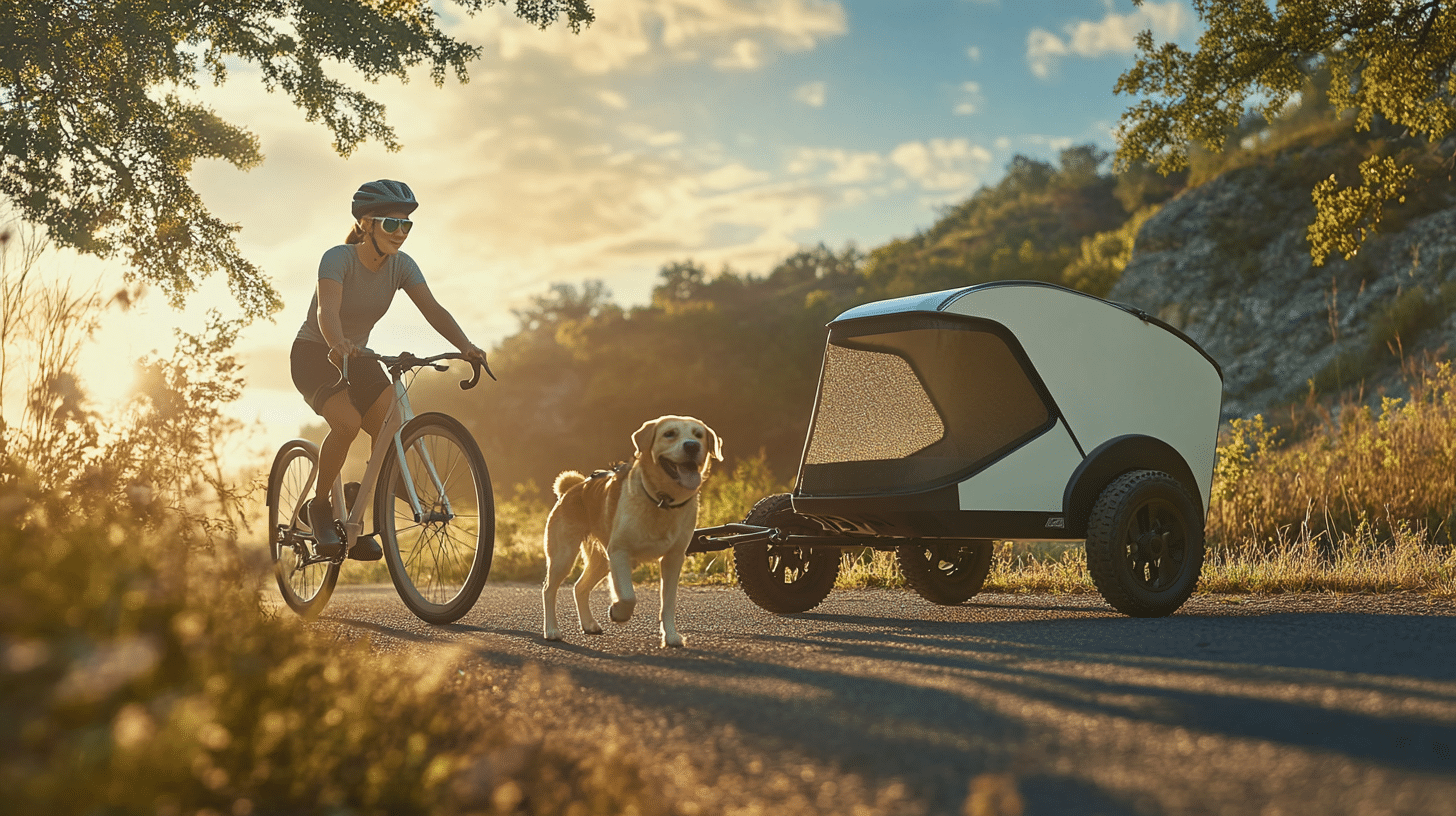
(96, 141)
(1346, 216)
(1387, 62)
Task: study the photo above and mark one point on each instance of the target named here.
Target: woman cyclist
(356, 283)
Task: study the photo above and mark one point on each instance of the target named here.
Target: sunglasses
(392, 224)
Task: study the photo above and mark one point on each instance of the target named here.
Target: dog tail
(566, 481)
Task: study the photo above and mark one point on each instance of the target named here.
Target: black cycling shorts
(317, 379)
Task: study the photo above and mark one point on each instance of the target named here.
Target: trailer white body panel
(1111, 373)
(1032, 479)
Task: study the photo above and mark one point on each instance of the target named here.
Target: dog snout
(692, 447)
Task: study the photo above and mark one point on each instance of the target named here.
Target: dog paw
(673, 641)
(592, 628)
(553, 634)
(621, 611)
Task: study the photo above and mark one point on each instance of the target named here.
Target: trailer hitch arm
(708, 539)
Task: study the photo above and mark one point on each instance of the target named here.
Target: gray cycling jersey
(367, 295)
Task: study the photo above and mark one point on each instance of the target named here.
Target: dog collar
(662, 500)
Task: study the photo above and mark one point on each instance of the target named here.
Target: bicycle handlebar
(405, 360)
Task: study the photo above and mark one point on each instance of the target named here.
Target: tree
(563, 303)
(1388, 62)
(96, 142)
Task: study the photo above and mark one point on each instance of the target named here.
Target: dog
(639, 511)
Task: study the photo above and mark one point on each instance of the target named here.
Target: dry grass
(1349, 469)
(150, 673)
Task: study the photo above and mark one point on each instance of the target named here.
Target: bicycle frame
(390, 435)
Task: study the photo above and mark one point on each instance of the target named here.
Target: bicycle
(435, 517)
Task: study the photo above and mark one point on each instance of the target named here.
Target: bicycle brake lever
(475, 378)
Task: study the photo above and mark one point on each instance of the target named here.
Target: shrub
(151, 674)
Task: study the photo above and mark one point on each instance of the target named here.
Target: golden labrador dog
(643, 510)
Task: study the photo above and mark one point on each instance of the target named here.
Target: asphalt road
(878, 702)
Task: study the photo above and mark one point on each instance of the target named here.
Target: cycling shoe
(366, 549)
(325, 538)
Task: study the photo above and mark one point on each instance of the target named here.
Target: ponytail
(356, 234)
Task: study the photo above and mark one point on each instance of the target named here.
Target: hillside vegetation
(742, 351)
(1218, 251)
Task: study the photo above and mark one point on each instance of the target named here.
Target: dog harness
(618, 470)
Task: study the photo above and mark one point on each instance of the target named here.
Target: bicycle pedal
(366, 548)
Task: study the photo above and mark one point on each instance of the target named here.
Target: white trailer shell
(1112, 373)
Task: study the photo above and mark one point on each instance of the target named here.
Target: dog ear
(715, 444)
(642, 439)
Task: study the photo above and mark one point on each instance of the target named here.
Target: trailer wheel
(780, 578)
(1145, 544)
(945, 574)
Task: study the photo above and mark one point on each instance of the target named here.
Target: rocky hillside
(1227, 262)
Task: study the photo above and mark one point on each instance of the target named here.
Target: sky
(722, 131)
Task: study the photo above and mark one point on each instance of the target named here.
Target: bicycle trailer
(1001, 411)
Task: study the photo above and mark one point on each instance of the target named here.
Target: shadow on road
(1061, 703)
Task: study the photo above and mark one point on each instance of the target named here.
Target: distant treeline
(742, 351)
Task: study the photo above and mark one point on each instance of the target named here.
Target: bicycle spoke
(439, 560)
(304, 581)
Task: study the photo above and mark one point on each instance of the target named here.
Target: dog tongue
(689, 478)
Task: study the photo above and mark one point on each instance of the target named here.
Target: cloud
(942, 164)
(1055, 143)
(811, 94)
(612, 99)
(837, 165)
(970, 100)
(745, 55)
(973, 53)
(1114, 34)
(732, 35)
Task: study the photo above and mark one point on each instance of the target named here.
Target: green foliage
(1388, 64)
(1352, 467)
(740, 352)
(1029, 226)
(1346, 216)
(96, 145)
(520, 523)
(1104, 256)
(158, 678)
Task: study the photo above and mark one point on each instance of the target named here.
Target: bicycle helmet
(383, 195)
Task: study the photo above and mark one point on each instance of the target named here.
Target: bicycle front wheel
(438, 557)
(305, 580)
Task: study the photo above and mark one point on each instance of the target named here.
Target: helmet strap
(375, 242)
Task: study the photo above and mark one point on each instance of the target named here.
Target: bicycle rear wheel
(305, 580)
(440, 560)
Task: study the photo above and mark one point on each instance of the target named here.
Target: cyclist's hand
(474, 354)
(345, 348)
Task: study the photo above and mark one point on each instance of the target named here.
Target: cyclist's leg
(366, 548)
(344, 421)
(373, 419)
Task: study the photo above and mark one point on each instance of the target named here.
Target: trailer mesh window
(902, 410)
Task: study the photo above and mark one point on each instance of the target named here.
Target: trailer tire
(945, 574)
(1145, 544)
(780, 578)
